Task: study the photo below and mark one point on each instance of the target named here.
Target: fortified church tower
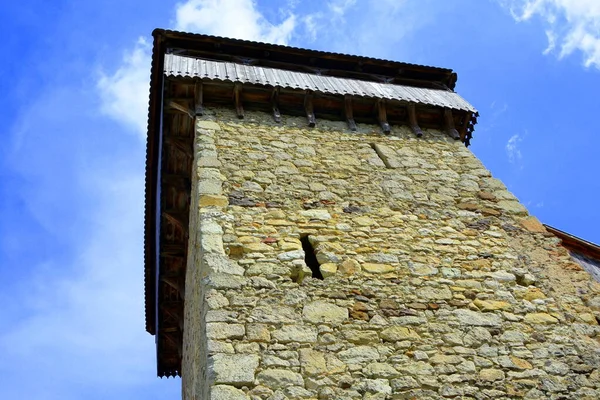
(316, 228)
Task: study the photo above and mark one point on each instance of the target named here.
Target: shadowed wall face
(436, 283)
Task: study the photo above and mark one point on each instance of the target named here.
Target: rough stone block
(225, 392)
(295, 333)
(280, 378)
(258, 333)
(473, 318)
(324, 312)
(205, 124)
(224, 330)
(233, 369)
(399, 333)
(312, 362)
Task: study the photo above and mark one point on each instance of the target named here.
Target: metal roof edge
(192, 40)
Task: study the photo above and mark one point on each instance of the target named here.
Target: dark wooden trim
(449, 124)
(172, 104)
(348, 112)
(465, 125)
(412, 120)
(199, 110)
(382, 116)
(309, 109)
(275, 105)
(237, 96)
(576, 244)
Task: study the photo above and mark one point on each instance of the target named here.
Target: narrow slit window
(310, 258)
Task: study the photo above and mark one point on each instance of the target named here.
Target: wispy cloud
(513, 150)
(571, 25)
(75, 326)
(237, 19)
(122, 92)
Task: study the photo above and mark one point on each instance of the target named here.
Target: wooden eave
(297, 59)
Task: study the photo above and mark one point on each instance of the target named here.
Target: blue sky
(74, 83)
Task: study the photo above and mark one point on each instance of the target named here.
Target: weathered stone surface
(279, 378)
(540, 318)
(211, 200)
(491, 305)
(533, 294)
(380, 370)
(532, 224)
(468, 317)
(377, 268)
(295, 333)
(206, 124)
(225, 392)
(359, 354)
(257, 248)
(274, 314)
(312, 362)
(398, 333)
(222, 330)
(349, 267)
(324, 312)
(318, 214)
(491, 375)
(437, 284)
(434, 293)
(328, 269)
(233, 369)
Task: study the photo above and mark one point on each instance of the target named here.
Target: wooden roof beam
(382, 117)
(348, 112)
(308, 108)
(412, 120)
(172, 104)
(237, 98)
(275, 105)
(449, 124)
(198, 98)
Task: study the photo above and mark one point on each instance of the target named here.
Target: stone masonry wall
(437, 282)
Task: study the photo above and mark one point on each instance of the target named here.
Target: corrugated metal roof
(225, 71)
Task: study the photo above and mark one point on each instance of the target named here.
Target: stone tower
(316, 228)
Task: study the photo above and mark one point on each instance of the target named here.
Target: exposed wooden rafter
(275, 104)
(412, 120)
(237, 98)
(382, 117)
(180, 107)
(449, 124)
(349, 113)
(198, 98)
(308, 108)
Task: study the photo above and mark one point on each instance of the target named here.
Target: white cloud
(571, 25)
(237, 19)
(339, 7)
(124, 93)
(76, 308)
(512, 150)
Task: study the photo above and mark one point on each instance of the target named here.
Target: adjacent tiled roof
(191, 67)
(584, 253)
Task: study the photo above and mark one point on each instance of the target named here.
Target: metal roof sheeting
(225, 71)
